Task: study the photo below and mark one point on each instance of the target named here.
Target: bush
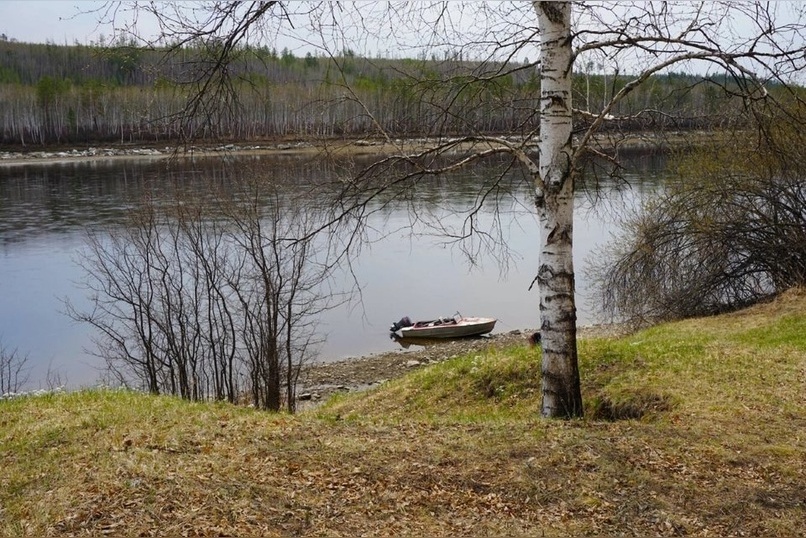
(729, 231)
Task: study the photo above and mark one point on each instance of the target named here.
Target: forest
(99, 93)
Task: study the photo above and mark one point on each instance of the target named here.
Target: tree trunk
(554, 199)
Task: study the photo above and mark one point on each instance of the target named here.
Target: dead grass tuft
(634, 407)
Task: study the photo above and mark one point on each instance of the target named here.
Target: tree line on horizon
(76, 94)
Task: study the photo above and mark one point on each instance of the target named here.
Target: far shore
(22, 156)
(61, 155)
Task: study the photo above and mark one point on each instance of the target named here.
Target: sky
(65, 22)
(41, 21)
(69, 21)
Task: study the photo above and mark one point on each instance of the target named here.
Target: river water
(46, 210)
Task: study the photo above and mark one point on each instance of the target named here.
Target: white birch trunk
(554, 200)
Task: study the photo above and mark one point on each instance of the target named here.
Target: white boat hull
(451, 329)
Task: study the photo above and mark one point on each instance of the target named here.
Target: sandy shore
(120, 152)
(12, 156)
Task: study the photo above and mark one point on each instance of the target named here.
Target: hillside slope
(692, 428)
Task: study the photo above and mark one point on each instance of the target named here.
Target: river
(46, 209)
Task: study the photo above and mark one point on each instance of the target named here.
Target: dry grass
(693, 428)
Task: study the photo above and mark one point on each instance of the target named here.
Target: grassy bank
(692, 428)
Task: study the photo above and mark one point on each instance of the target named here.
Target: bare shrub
(13, 370)
(212, 295)
(728, 232)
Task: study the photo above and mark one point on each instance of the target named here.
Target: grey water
(46, 210)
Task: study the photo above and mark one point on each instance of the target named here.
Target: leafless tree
(751, 46)
(13, 370)
(287, 270)
(211, 296)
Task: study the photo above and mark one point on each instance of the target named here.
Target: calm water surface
(45, 211)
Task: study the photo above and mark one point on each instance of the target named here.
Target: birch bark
(554, 200)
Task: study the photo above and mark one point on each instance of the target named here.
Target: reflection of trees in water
(100, 196)
(69, 196)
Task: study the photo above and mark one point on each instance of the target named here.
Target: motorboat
(457, 326)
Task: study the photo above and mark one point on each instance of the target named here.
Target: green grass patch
(495, 385)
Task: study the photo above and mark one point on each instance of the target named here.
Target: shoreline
(319, 380)
(324, 377)
(342, 147)
(57, 154)
(91, 154)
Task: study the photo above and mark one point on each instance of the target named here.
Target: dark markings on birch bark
(557, 100)
(552, 384)
(559, 234)
(554, 14)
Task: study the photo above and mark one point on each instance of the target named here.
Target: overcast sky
(69, 21)
(40, 21)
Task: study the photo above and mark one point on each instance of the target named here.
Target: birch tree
(554, 201)
(742, 49)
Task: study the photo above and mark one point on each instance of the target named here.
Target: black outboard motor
(404, 322)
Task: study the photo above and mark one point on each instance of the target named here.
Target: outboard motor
(404, 322)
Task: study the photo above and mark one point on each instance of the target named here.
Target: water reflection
(409, 265)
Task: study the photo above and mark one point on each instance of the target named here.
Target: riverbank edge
(56, 154)
(320, 379)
